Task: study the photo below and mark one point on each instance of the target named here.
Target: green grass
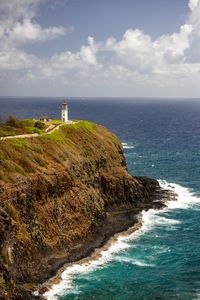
(113, 138)
(25, 126)
(37, 147)
(56, 122)
(19, 170)
(19, 143)
(27, 122)
(85, 125)
(70, 141)
(3, 154)
(27, 165)
(57, 136)
(7, 130)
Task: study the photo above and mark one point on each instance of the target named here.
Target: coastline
(94, 256)
(82, 199)
(105, 245)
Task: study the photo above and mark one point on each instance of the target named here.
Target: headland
(63, 195)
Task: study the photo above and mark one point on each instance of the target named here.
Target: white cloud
(133, 65)
(10, 9)
(17, 28)
(134, 50)
(193, 53)
(172, 47)
(82, 59)
(15, 59)
(193, 4)
(194, 18)
(88, 53)
(27, 31)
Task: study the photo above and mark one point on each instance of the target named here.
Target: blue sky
(105, 18)
(117, 48)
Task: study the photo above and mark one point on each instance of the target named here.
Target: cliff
(61, 196)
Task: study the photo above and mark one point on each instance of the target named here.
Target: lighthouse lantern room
(64, 112)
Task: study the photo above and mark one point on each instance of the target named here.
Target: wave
(151, 218)
(158, 249)
(185, 196)
(127, 146)
(66, 284)
(133, 261)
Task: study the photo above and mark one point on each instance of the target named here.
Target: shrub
(27, 122)
(37, 130)
(39, 125)
(12, 121)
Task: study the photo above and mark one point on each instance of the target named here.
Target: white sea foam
(133, 261)
(151, 218)
(158, 249)
(127, 146)
(185, 197)
(66, 284)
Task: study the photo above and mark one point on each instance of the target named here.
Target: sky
(100, 48)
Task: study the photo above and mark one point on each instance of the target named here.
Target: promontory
(62, 195)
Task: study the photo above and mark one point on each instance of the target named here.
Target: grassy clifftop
(24, 156)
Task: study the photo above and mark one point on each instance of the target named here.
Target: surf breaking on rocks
(121, 242)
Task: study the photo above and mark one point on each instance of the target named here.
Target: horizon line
(107, 97)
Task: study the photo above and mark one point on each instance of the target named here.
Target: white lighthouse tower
(64, 112)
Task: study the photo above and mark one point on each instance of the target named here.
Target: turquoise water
(161, 139)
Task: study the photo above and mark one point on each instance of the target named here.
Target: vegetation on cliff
(26, 156)
(62, 195)
(12, 126)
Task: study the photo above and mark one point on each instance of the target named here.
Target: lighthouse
(64, 112)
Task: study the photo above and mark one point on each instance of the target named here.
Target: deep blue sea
(161, 139)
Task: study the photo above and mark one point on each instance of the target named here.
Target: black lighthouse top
(64, 105)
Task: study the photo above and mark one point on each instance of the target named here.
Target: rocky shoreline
(95, 255)
(121, 221)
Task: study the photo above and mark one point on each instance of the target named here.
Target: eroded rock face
(66, 196)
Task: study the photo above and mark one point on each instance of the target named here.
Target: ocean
(161, 139)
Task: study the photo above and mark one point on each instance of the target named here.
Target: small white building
(45, 119)
(64, 112)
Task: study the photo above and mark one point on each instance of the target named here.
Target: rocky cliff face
(62, 195)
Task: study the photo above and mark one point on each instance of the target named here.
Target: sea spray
(150, 219)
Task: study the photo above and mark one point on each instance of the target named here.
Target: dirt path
(49, 130)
